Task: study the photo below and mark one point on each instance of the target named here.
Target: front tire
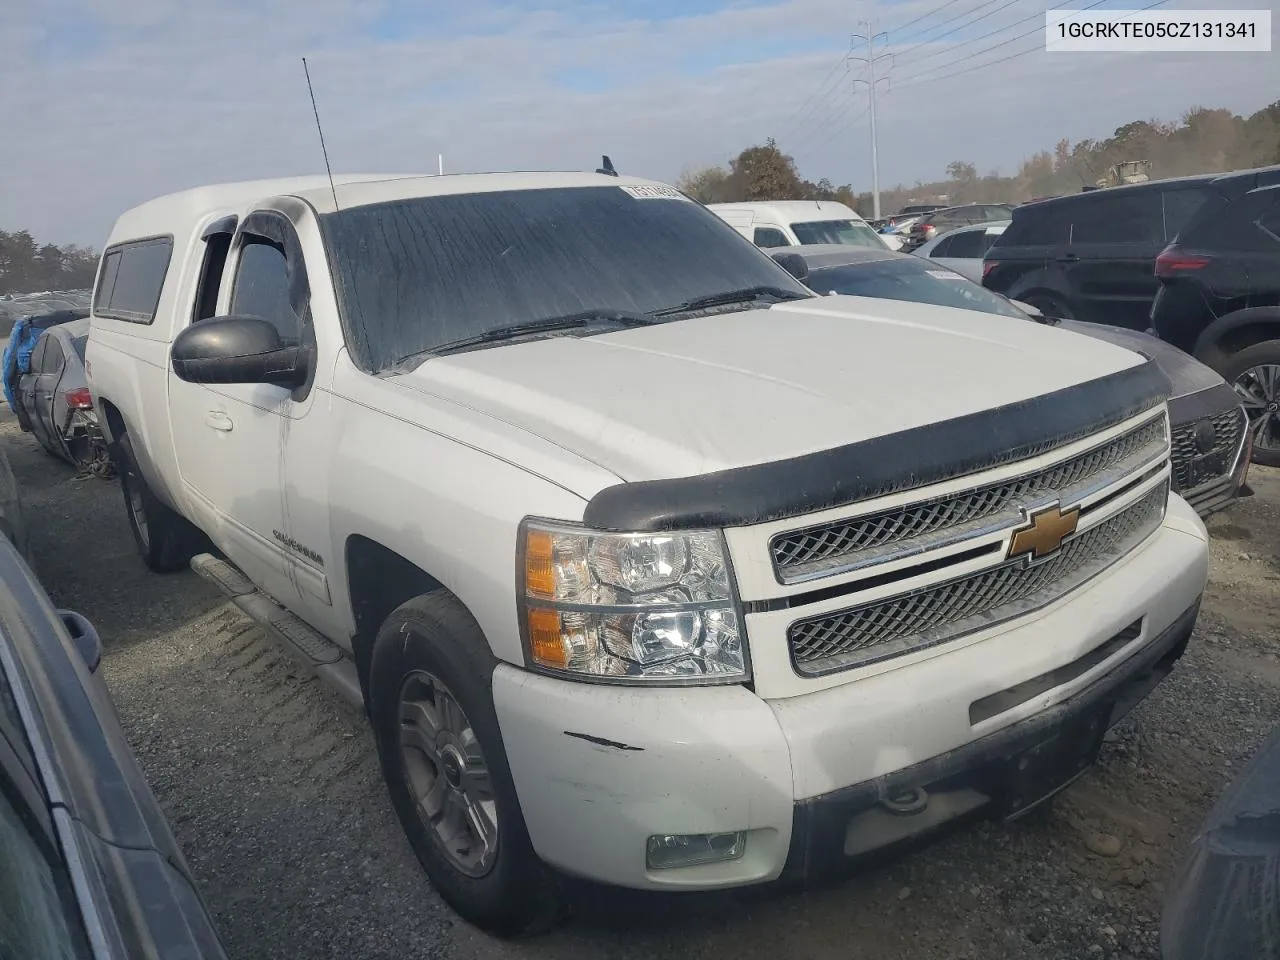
(166, 540)
(1254, 372)
(431, 705)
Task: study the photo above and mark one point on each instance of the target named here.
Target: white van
(789, 223)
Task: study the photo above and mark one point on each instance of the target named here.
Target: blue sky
(110, 102)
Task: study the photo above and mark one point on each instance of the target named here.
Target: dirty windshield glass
(415, 274)
(853, 233)
(907, 279)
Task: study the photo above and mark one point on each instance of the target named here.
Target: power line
(902, 55)
(913, 81)
(960, 16)
(922, 17)
(986, 36)
(826, 122)
(805, 127)
(836, 127)
(842, 62)
(909, 81)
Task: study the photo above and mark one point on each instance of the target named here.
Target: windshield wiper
(745, 295)
(569, 321)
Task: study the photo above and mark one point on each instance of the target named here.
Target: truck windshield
(412, 275)
(907, 279)
(853, 233)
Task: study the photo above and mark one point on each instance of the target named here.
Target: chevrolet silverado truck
(641, 561)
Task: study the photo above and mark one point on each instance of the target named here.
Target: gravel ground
(273, 789)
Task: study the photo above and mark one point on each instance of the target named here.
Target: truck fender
(114, 424)
(1234, 331)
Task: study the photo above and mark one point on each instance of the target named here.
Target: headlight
(627, 607)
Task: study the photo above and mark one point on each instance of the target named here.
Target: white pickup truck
(648, 565)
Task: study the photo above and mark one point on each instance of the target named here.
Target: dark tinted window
(416, 274)
(852, 233)
(769, 237)
(970, 245)
(216, 248)
(37, 355)
(132, 277)
(79, 343)
(943, 249)
(1269, 221)
(262, 288)
(1179, 207)
(1225, 225)
(35, 922)
(107, 279)
(1130, 217)
(1038, 224)
(51, 361)
(916, 280)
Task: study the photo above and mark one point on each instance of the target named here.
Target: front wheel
(442, 756)
(1255, 374)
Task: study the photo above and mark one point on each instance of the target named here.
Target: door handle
(218, 420)
(1068, 258)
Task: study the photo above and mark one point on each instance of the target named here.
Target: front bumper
(598, 768)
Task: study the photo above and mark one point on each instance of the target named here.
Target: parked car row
(1196, 259)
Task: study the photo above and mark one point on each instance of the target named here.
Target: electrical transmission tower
(871, 60)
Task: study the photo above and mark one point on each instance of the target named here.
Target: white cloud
(170, 96)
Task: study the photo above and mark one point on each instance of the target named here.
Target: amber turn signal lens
(546, 645)
(539, 564)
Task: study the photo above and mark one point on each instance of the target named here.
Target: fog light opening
(907, 803)
(693, 849)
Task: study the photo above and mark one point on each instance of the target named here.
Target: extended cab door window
(262, 287)
(217, 245)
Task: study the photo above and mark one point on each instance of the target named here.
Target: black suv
(1219, 295)
(1091, 256)
(940, 221)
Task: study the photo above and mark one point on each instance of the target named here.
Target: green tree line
(1203, 140)
(30, 267)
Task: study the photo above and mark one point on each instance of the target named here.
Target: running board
(313, 651)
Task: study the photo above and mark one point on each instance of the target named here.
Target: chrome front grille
(1192, 467)
(817, 551)
(941, 612)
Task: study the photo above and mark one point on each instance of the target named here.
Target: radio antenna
(320, 130)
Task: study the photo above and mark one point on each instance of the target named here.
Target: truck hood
(734, 389)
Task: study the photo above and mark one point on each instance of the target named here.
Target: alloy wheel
(446, 774)
(1259, 391)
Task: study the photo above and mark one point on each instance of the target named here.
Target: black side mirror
(794, 264)
(237, 350)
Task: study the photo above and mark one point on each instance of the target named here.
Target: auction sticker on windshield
(654, 192)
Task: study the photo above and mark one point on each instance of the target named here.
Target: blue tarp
(17, 356)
